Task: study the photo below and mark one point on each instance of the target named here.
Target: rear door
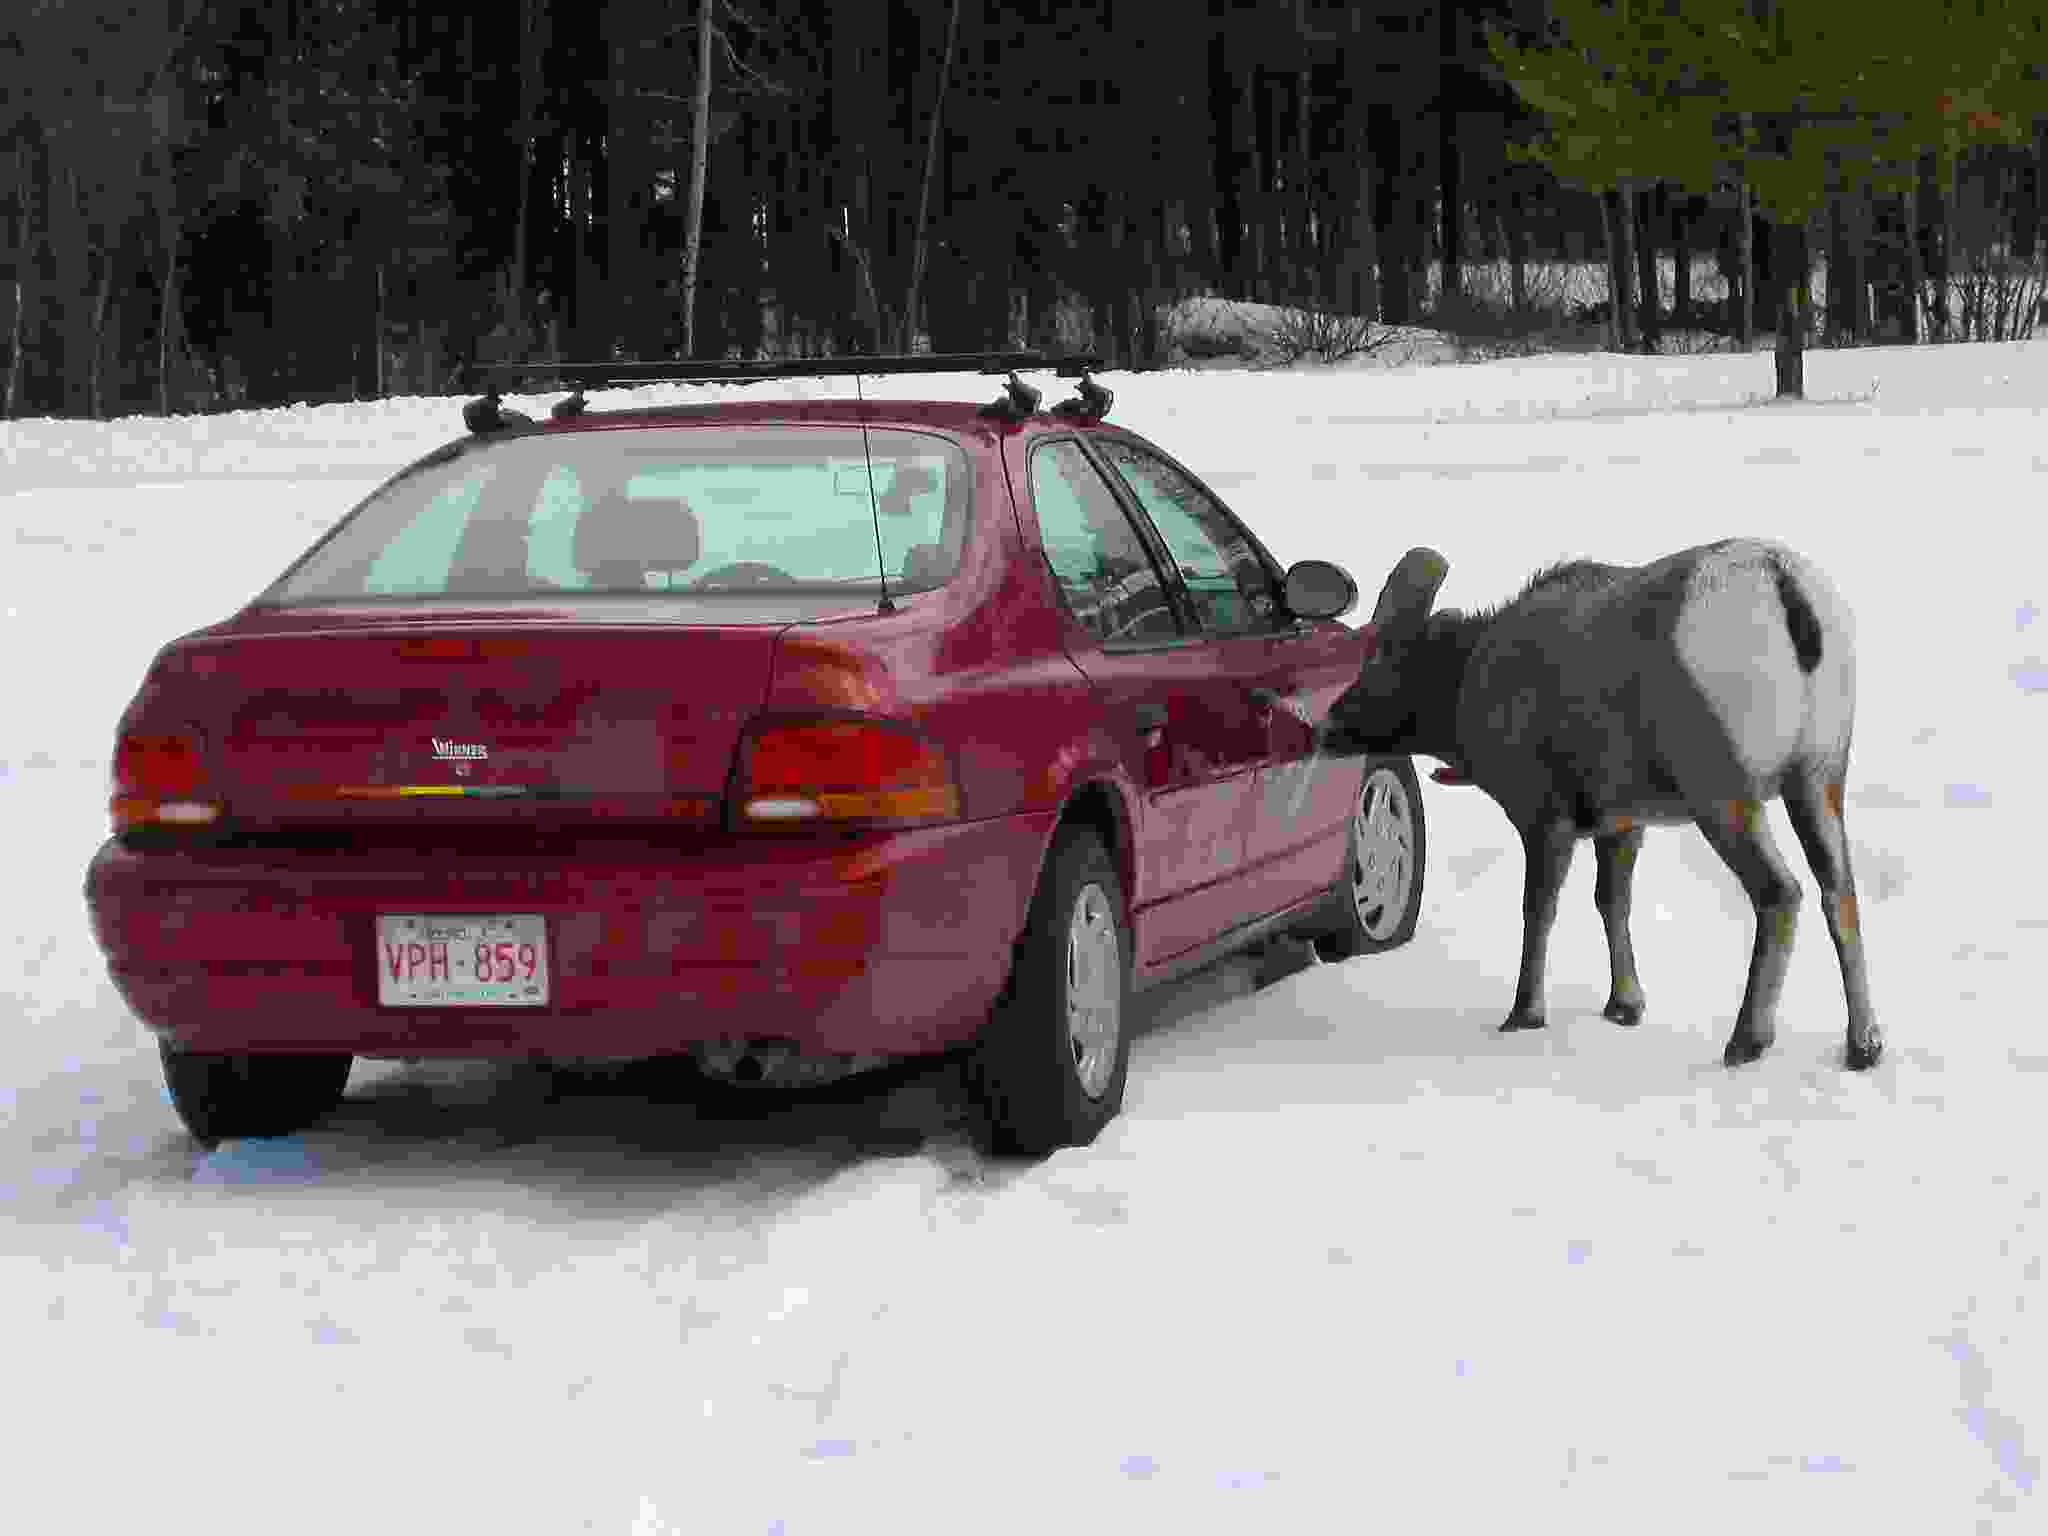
(1289, 672)
(1189, 737)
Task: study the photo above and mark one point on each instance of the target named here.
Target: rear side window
(1104, 571)
(770, 508)
(416, 562)
(1229, 585)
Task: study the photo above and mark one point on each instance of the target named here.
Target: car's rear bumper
(893, 945)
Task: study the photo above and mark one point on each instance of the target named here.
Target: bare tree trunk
(1514, 235)
(167, 314)
(95, 370)
(24, 236)
(1451, 281)
(1681, 263)
(1859, 287)
(70, 259)
(1614, 300)
(1617, 215)
(700, 134)
(14, 348)
(1792, 319)
(529, 42)
(1269, 249)
(1745, 237)
(1358, 266)
(1625, 262)
(1651, 293)
(1841, 323)
(924, 191)
(1943, 302)
(867, 299)
(1915, 277)
(1304, 198)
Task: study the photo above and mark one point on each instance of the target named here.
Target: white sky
(1349, 1261)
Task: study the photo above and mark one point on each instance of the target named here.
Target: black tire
(221, 1098)
(1367, 916)
(1030, 1071)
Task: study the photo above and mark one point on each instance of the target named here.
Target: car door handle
(1150, 718)
(1267, 699)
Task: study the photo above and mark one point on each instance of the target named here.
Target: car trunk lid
(477, 721)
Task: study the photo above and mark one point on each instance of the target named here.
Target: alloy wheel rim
(1094, 990)
(1382, 854)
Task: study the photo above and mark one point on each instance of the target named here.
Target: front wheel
(221, 1097)
(1051, 1064)
(1384, 859)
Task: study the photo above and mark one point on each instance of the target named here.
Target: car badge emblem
(460, 753)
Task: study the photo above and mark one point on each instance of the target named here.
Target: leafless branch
(1331, 336)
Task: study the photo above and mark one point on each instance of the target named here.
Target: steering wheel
(745, 573)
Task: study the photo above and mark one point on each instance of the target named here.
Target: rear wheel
(1051, 1065)
(1384, 859)
(223, 1097)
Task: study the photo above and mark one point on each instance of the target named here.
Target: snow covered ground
(1350, 1260)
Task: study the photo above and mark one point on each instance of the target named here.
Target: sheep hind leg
(1547, 854)
(1814, 803)
(1613, 895)
(1738, 832)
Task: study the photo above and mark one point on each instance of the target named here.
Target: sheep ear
(1410, 589)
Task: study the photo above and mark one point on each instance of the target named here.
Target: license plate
(439, 961)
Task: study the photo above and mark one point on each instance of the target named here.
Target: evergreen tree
(1796, 101)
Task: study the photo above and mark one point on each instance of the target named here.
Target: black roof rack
(1017, 401)
(1091, 401)
(615, 375)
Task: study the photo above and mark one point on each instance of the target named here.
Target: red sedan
(795, 736)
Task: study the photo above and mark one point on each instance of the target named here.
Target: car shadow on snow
(625, 1143)
(628, 1139)
(659, 1124)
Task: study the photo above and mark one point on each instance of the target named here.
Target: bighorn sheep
(1605, 698)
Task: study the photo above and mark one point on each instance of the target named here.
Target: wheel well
(1096, 807)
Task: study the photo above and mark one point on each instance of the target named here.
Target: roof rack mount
(618, 374)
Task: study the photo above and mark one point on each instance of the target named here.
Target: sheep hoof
(1623, 1010)
(1741, 1050)
(1864, 1054)
(1515, 1021)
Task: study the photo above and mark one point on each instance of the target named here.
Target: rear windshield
(640, 510)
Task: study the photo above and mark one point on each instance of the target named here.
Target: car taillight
(842, 770)
(158, 781)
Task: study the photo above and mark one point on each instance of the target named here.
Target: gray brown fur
(1605, 698)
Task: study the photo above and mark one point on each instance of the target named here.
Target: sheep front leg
(1613, 893)
(1547, 853)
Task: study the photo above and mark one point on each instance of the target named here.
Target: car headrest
(926, 565)
(618, 536)
(491, 556)
(910, 480)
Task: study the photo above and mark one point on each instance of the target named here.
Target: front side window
(1105, 573)
(637, 510)
(1229, 585)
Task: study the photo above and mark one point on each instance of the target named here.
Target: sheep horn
(1405, 599)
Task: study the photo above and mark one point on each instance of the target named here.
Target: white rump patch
(1733, 640)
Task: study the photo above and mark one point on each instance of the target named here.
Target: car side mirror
(1317, 589)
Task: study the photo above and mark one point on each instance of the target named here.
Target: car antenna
(874, 505)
